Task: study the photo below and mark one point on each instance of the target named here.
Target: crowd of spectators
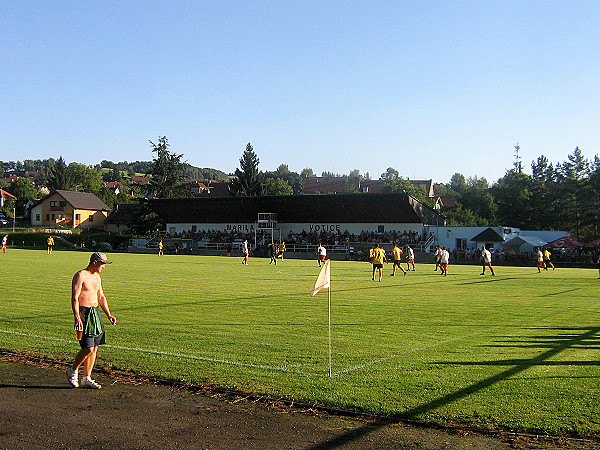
(306, 238)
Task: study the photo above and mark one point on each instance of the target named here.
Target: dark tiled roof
(124, 214)
(83, 200)
(488, 235)
(78, 200)
(340, 208)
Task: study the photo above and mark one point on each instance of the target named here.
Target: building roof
(488, 235)
(341, 208)
(79, 200)
(337, 185)
(124, 214)
(518, 241)
(6, 194)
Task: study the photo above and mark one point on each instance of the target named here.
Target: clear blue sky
(430, 88)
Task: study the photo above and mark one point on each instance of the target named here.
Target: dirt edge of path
(267, 422)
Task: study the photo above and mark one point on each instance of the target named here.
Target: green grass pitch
(520, 350)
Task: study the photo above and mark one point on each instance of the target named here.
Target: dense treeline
(561, 196)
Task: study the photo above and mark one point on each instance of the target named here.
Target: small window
(37, 217)
(52, 204)
(48, 217)
(53, 217)
(380, 228)
(91, 217)
(63, 204)
(77, 217)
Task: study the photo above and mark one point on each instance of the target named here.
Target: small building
(4, 195)
(71, 209)
(121, 219)
(523, 244)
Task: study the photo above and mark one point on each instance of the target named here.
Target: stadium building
(278, 217)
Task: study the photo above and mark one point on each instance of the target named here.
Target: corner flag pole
(324, 281)
(329, 291)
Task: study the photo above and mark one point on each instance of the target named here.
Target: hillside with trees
(553, 196)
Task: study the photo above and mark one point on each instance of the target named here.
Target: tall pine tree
(249, 181)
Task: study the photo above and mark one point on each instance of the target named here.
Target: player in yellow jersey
(50, 242)
(547, 261)
(397, 255)
(377, 261)
(280, 250)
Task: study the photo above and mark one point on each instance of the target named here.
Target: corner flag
(323, 280)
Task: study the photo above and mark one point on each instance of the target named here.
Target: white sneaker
(73, 377)
(89, 383)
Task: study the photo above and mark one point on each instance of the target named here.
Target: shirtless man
(87, 295)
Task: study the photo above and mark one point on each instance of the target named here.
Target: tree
(249, 181)
(307, 172)
(24, 190)
(354, 173)
(83, 178)
(390, 174)
(167, 170)
(277, 186)
(293, 179)
(55, 175)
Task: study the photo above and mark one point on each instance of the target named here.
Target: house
(5, 195)
(121, 219)
(71, 209)
(114, 186)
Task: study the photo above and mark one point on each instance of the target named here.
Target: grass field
(520, 350)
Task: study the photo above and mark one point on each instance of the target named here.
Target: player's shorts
(90, 341)
(397, 263)
(487, 264)
(377, 266)
(411, 261)
(321, 257)
(540, 263)
(443, 265)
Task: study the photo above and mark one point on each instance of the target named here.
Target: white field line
(437, 344)
(298, 372)
(177, 355)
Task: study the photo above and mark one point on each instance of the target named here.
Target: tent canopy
(520, 241)
(565, 242)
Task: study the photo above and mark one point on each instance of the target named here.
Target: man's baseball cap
(100, 257)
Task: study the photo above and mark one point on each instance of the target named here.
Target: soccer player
(540, 260)
(397, 256)
(438, 256)
(87, 295)
(410, 254)
(50, 242)
(160, 248)
(547, 262)
(245, 252)
(280, 250)
(486, 256)
(444, 259)
(321, 254)
(378, 259)
(4, 240)
(273, 252)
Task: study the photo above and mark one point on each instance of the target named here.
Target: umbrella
(565, 242)
(595, 243)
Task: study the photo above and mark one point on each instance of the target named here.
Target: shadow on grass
(560, 343)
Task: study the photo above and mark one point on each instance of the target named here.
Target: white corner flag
(323, 280)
